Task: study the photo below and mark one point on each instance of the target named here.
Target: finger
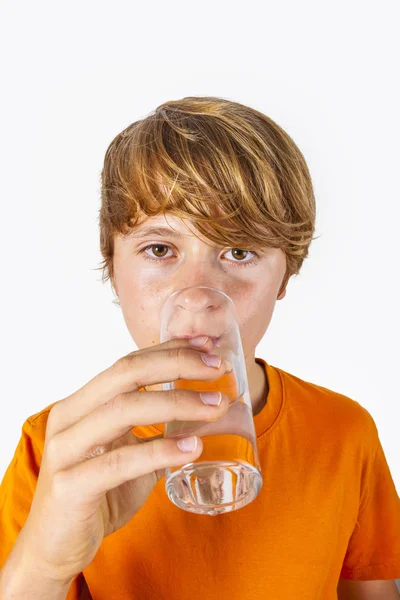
(206, 347)
(174, 359)
(159, 473)
(117, 417)
(98, 475)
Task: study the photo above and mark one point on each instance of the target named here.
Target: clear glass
(227, 475)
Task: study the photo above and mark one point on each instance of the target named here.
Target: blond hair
(230, 169)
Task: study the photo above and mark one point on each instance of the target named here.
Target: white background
(75, 74)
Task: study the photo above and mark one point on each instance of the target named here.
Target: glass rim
(190, 287)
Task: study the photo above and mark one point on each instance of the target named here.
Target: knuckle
(124, 366)
(59, 484)
(52, 453)
(96, 450)
(52, 446)
(176, 399)
(53, 417)
(121, 365)
(176, 353)
(117, 404)
(113, 461)
(153, 453)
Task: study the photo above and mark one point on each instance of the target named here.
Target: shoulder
(324, 409)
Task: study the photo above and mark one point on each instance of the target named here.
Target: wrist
(22, 580)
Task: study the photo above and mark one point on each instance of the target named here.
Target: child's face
(143, 285)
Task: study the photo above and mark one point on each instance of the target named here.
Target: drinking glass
(227, 475)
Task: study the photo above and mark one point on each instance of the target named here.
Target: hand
(95, 474)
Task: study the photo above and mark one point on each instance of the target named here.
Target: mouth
(189, 337)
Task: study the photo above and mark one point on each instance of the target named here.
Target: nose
(199, 310)
(198, 298)
(198, 272)
(195, 301)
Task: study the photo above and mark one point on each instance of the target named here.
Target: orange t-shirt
(328, 508)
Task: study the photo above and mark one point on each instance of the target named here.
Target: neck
(258, 385)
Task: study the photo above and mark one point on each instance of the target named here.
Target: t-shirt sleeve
(16, 493)
(374, 547)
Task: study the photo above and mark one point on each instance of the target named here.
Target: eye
(159, 250)
(156, 246)
(237, 252)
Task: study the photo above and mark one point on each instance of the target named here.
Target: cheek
(142, 296)
(140, 305)
(255, 304)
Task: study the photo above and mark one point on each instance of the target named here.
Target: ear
(115, 291)
(282, 295)
(114, 285)
(285, 281)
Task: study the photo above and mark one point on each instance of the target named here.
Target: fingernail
(228, 367)
(212, 360)
(188, 444)
(213, 398)
(198, 342)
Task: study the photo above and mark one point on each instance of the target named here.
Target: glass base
(212, 488)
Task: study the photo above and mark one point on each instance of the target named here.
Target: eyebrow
(168, 232)
(150, 231)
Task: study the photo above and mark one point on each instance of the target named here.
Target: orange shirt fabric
(328, 508)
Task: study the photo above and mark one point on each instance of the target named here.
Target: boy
(230, 204)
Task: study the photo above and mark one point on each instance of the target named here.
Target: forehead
(167, 225)
(166, 221)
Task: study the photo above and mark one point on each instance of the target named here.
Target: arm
(21, 578)
(367, 590)
(25, 583)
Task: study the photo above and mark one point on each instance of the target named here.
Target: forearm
(20, 581)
